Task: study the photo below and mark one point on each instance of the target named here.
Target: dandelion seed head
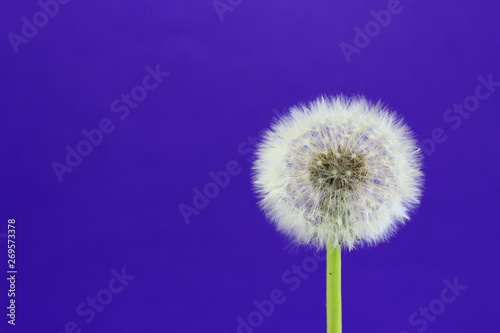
(338, 170)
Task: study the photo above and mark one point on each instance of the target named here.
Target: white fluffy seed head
(340, 171)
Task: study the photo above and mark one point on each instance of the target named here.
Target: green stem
(333, 290)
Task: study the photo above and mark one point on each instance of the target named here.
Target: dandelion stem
(333, 290)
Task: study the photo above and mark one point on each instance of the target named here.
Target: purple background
(228, 78)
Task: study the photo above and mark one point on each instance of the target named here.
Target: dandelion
(338, 173)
